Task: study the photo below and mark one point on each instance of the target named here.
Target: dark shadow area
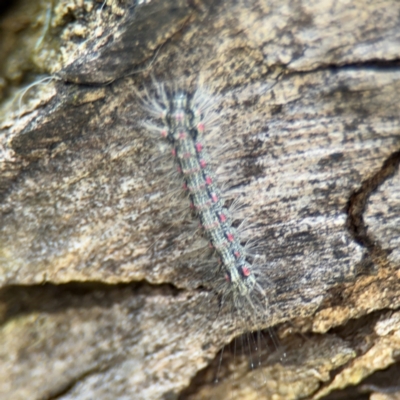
(50, 298)
(356, 208)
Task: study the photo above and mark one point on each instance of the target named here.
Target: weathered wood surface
(308, 99)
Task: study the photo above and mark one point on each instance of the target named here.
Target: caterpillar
(183, 116)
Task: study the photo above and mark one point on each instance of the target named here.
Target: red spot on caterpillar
(230, 237)
(236, 254)
(214, 197)
(208, 180)
(245, 271)
(199, 147)
(203, 163)
(164, 133)
(200, 127)
(173, 151)
(222, 217)
(182, 135)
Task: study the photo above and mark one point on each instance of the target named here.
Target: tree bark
(100, 297)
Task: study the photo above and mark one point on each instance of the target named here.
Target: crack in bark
(19, 300)
(375, 256)
(372, 63)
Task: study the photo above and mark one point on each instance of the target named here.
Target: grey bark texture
(102, 294)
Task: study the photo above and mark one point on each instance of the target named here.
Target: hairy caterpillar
(184, 121)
